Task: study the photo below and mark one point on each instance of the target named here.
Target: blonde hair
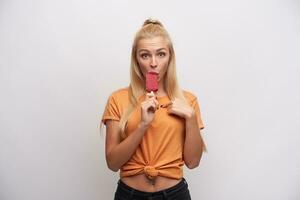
(150, 29)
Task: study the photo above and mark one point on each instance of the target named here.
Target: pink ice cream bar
(152, 81)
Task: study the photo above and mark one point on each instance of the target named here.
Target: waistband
(165, 193)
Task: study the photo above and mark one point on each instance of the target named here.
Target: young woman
(150, 136)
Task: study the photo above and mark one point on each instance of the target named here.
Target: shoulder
(190, 97)
(119, 96)
(120, 93)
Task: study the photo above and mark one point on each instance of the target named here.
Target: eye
(144, 55)
(161, 54)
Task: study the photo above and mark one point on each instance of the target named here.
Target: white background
(61, 59)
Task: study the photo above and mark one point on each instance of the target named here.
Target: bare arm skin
(193, 145)
(118, 151)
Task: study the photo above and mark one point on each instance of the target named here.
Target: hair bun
(152, 21)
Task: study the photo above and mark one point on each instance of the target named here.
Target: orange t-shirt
(160, 152)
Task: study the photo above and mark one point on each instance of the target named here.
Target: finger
(172, 111)
(168, 104)
(151, 100)
(152, 108)
(155, 102)
(150, 105)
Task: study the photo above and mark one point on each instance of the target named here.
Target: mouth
(153, 72)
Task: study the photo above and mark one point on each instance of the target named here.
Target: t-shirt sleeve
(196, 107)
(111, 110)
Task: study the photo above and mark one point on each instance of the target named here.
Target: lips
(153, 72)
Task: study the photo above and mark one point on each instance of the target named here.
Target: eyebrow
(156, 50)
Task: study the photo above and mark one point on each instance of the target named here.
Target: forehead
(152, 44)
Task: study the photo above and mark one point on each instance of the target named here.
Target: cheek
(143, 66)
(165, 64)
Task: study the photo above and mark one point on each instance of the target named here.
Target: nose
(153, 63)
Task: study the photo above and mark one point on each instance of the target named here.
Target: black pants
(177, 192)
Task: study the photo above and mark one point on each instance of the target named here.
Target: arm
(193, 144)
(119, 152)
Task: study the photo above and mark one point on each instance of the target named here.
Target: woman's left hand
(180, 108)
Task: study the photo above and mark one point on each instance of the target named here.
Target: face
(153, 55)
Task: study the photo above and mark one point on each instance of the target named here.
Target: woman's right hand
(148, 108)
